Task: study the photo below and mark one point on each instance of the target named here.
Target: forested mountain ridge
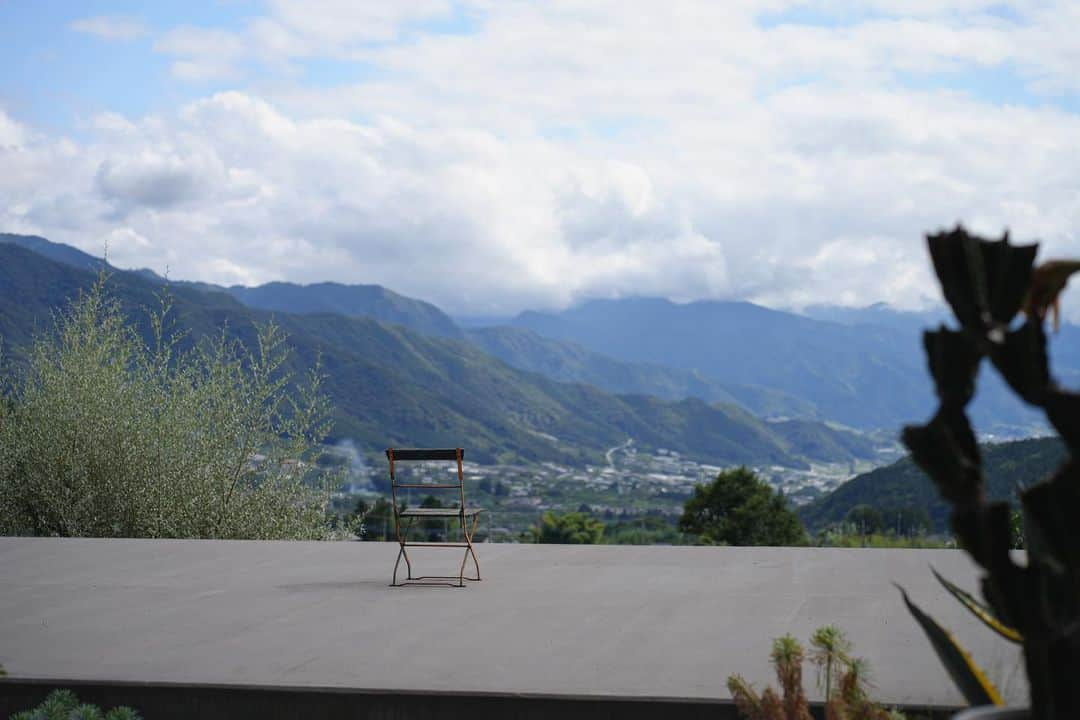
(391, 385)
(903, 486)
(372, 301)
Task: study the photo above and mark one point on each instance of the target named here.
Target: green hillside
(394, 386)
(902, 485)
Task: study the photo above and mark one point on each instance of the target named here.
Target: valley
(630, 486)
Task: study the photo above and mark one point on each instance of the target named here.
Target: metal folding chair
(404, 518)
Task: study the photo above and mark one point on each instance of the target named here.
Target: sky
(494, 156)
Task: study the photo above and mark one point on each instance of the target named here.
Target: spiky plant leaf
(123, 713)
(947, 451)
(979, 610)
(984, 281)
(746, 700)
(829, 653)
(969, 678)
(772, 707)
(86, 711)
(855, 684)
(787, 658)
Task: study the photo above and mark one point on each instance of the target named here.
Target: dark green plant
(739, 508)
(987, 283)
(64, 705)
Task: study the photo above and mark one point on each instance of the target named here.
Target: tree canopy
(739, 508)
(573, 528)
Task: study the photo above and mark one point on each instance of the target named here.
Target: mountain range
(400, 372)
(859, 367)
(862, 373)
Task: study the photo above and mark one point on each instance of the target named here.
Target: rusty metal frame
(402, 531)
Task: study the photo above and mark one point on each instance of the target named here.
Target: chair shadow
(363, 584)
(337, 585)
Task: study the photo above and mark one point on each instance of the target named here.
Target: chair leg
(402, 541)
(401, 551)
(470, 550)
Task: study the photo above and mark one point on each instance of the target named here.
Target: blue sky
(554, 151)
(52, 74)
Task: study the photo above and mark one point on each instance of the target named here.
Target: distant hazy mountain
(879, 314)
(863, 375)
(391, 385)
(352, 300)
(903, 486)
(570, 362)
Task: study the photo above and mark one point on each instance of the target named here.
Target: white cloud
(203, 53)
(573, 150)
(12, 133)
(110, 27)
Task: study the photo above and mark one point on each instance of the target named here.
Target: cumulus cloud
(12, 133)
(559, 152)
(202, 53)
(151, 181)
(110, 27)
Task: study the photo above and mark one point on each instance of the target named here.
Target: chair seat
(438, 512)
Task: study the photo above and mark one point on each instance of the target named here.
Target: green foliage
(738, 508)
(109, 436)
(644, 530)
(866, 519)
(846, 536)
(436, 529)
(378, 522)
(64, 705)
(845, 683)
(1016, 530)
(573, 528)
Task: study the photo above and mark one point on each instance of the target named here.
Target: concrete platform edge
(184, 701)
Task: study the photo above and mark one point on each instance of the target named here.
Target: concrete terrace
(625, 623)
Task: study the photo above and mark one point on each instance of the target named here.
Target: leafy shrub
(63, 705)
(105, 435)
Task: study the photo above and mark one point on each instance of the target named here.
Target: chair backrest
(424, 453)
(395, 455)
